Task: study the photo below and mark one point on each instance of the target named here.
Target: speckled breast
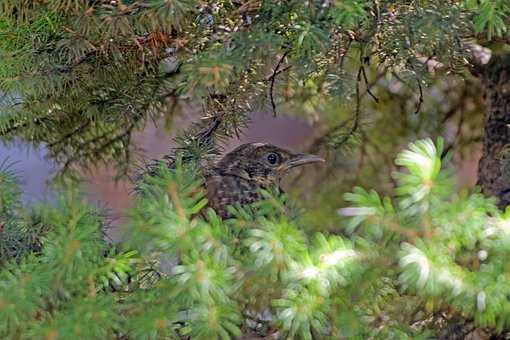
(225, 190)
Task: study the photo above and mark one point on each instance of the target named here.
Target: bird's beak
(300, 159)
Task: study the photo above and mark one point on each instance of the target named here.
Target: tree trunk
(494, 166)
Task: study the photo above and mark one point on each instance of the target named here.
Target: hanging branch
(72, 133)
(369, 91)
(420, 100)
(203, 134)
(126, 134)
(355, 124)
(315, 146)
(20, 125)
(360, 94)
(354, 127)
(272, 80)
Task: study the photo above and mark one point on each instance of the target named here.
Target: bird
(239, 177)
(237, 180)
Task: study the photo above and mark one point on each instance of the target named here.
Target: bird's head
(262, 163)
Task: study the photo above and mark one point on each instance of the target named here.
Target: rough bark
(494, 166)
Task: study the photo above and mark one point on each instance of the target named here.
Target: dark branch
(97, 151)
(272, 80)
(354, 127)
(369, 91)
(75, 131)
(420, 99)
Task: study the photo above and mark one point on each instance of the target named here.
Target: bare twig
(420, 99)
(205, 134)
(68, 68)
(272, 80)
(281, 70)
(369, 91)
(315, 146)
(355, 122)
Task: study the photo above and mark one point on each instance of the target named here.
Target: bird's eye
(272, 158)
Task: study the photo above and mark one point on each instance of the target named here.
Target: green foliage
(87, 74)
(19, 235)
(81, 77)
(452, 246)
(491, 17)
(56, 289)
(257, 261)
(185, 272)
(350, 14)
(10, 197)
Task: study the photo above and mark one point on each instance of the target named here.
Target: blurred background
(101, 184)
(103, 187)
